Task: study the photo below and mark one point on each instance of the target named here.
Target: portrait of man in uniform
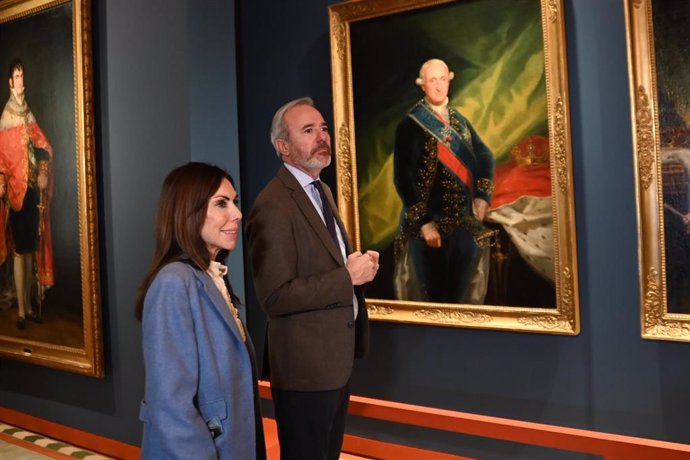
(443, 172)
(40, 255)
(25, 195)
(452, 151)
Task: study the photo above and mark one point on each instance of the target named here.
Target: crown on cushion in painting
(532, 150)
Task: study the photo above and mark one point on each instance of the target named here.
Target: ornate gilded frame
(656, 321)
(87, 357)
(565, 318)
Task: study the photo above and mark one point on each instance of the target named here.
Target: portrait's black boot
(35, 317)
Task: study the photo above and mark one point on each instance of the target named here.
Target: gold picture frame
(53, 40)
(659, 165)
(382, 20)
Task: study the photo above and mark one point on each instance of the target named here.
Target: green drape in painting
(495, 48)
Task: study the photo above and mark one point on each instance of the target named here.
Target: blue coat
(198, 372)
(430, 192)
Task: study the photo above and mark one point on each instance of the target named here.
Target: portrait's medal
(446, 135)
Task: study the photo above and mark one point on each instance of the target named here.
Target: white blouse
(217, 271)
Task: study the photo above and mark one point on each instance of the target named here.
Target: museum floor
(18, 444)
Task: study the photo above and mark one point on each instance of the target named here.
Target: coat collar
(217, 301)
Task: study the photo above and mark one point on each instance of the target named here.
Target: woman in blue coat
(201, 399)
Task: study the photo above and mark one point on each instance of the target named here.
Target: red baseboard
(379, 450)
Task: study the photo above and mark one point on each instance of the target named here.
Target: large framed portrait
(466, 190)
(658, 43)
(49, 279)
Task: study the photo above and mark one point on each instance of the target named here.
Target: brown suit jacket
(304, 288)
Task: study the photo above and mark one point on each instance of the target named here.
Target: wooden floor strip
(22, 445)
(44, 445)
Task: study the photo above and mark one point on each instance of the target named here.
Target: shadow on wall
(674, 383)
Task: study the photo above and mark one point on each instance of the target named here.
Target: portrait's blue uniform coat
(198, 372)
(429, 191)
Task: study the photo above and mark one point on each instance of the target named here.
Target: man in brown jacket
(308, 282)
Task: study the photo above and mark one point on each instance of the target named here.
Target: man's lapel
(310, 213)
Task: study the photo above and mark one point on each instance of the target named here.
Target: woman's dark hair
(180, 216)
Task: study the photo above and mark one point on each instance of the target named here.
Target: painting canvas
(514, 100)
(659, 54)
(49, 301)
(672, 47)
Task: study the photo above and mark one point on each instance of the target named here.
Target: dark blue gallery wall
(607, 378)
(159, 103)
(213, 99)
(282, 54)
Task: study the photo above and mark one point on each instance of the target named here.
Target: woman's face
(222, 225)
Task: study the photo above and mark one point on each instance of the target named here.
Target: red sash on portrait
(451, 145)
(454, 165)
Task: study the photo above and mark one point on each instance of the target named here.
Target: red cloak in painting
(18, 132)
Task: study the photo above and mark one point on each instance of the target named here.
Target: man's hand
(374, 256)
(362, 267)
(431, 235)
(481, 207)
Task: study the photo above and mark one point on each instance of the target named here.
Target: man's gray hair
(278, 128)
(420, 81)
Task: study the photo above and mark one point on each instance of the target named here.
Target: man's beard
(317, 161)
